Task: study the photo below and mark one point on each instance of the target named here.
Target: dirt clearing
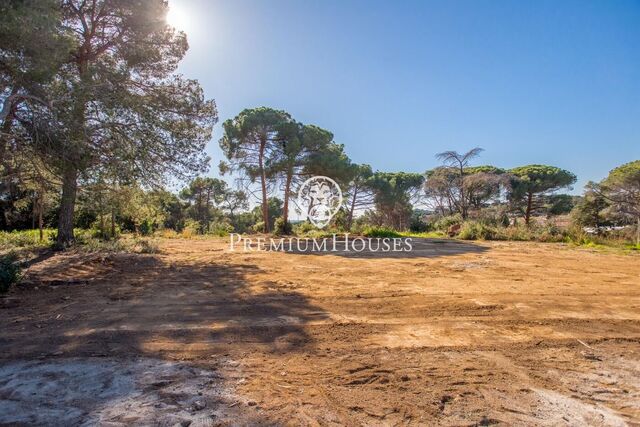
(451, 334)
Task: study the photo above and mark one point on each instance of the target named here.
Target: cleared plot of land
(453, 334)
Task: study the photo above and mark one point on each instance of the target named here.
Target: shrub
(9, 271)
(93, 245)
(258, 227)
(303, 228)
(549, 233)
(417, 225)
(444, 223)
(102, 230)
(473, 230)
(493, 216)
(191, 228)
(167, 233)
(145, 228)
(515, 232)
(380, 232)
(577, 236)
(145, 246)
(281, 227)
(25, 238)
(220, 229)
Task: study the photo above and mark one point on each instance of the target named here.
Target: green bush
(102, 230)
(303, 228)
(417, 225)
(146, 228)
(220, 229)
(445, 222)
(281, 227)
(477, 230)
(9, 271)
(492, 216)
(191, 228)
(380, 232)
(258, 227)
(25, 238)
(473, 230)
(516, 232)
(577, 236)
(550, 233)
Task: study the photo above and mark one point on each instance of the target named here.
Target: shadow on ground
(142, 305)
(126, 307)
(375, 248)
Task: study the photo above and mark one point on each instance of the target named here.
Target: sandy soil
(450, 334)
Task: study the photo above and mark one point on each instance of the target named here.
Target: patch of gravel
(560, 409)
(107, 392)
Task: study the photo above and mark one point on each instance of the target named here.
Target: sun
(177, 18)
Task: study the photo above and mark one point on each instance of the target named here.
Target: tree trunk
(113, 223)
(263, 183)
(527, 214)
(103, 229)
(9, 110)
(352, 208)
(463, 202)
(67, 205)
(205, 213)
(34, 210)
(285, 206)
(40, 221)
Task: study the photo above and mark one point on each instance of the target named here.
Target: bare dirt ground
(452, 334)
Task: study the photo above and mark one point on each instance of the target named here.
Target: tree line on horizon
(95, 123)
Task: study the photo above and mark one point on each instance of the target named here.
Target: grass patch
(380, 232)
(25, 239)
(425, 234)
(86, 241)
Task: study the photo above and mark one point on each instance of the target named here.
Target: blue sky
(553, 82)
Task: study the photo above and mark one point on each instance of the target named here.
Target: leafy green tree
(234, 201)
(251, 142)
(445, 188)
(621, 189)
(589, 211)
(331, 160)
(482, 184)
(440, 190)
(205, 194)
(529, 184)
(32, 48)
(117, 100)
(28, 60)
(560, 204)
(274, 210)
(360, 193)
(173, 209)
(301, 147)
(456, 165)
(244, 221)
(394, 192)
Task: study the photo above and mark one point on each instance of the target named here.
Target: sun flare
(177, 18)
